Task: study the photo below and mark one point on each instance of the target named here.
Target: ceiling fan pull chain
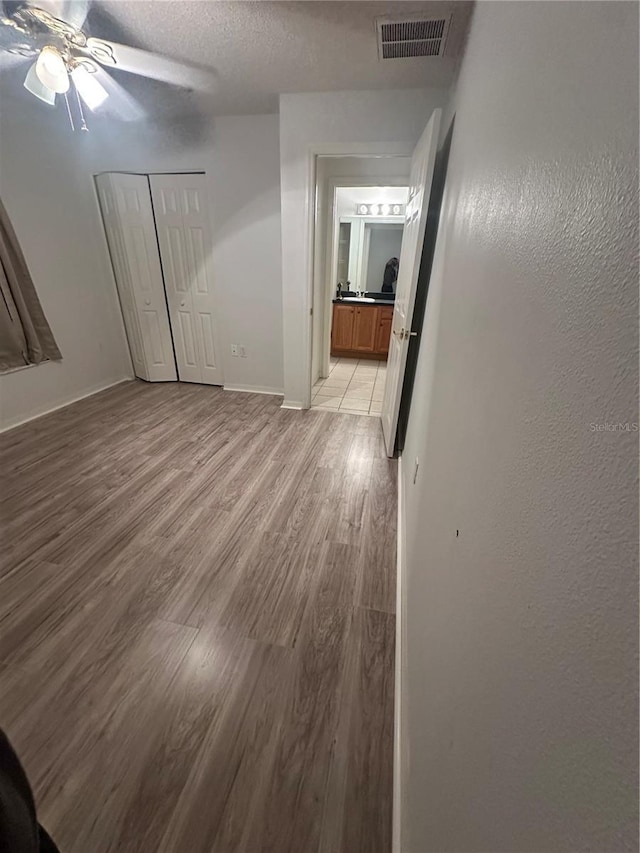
(66, 100)
(83, 124)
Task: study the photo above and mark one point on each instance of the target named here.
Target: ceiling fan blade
(119, 104)
(136, 61)
(15, 45)
(10, 60)
(73, 12)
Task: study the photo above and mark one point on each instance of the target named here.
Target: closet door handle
(147, 302)
(182, 304)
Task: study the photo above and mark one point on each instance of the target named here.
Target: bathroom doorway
(356, 267)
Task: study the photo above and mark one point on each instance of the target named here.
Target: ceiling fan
(65, 59)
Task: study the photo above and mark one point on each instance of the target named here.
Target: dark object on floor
(20, 831)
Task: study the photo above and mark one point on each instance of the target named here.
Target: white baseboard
(291, 404)
(61, 405)
(254, 389)
(400, 667)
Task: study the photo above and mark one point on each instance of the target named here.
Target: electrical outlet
(234, 350)
(243, 351)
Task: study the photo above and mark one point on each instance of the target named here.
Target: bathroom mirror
(368, 237)
(368, 252)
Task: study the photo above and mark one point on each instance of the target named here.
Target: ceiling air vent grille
(403, 39)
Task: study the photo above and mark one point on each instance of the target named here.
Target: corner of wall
(399, 765)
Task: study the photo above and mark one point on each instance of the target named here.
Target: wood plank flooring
(197, 623)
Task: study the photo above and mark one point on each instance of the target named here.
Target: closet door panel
(176, 278)
(208, 340)
(189, 347)
(180, 208)
(197, 231)
(138, 268)
(121, 274)
(133, 200)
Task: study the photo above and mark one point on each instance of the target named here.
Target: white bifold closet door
(182, 223)
(125, 201)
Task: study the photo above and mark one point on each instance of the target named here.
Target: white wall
(46, 184)
(49, 197)
(330, 123)
(384, 244)
(521, 684)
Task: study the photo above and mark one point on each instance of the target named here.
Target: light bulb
(32, 84)
(384, 209)
(51, 70)
(90, 90)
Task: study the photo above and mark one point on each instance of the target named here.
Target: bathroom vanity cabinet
(361, 329)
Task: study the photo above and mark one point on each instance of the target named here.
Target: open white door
(422, 164)
(182, 220)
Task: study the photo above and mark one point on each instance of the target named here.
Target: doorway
(359, 224)
(422, 164)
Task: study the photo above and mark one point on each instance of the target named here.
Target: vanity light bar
(380, 209)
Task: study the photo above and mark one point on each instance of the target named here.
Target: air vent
(406, 39)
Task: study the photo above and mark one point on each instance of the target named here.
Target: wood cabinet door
(364, 328)
(342, 327)
(383, 332)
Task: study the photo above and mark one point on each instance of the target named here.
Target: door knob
(182, 304)
(147, 302)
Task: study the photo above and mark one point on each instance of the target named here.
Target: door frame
(331, 260)
(312, 214)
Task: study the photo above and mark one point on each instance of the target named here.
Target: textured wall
(520, 681)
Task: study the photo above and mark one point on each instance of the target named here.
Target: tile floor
(355, 386)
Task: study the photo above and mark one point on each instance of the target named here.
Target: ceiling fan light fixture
(90, 90)
(51, 70)
(32, 84)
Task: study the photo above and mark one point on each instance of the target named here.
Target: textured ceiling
(256, 50)
(260, 49)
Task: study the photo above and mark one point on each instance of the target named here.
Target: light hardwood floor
(196, 623)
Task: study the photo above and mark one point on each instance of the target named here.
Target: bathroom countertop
(363, 300)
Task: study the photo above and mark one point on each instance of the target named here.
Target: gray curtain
(25, 336)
